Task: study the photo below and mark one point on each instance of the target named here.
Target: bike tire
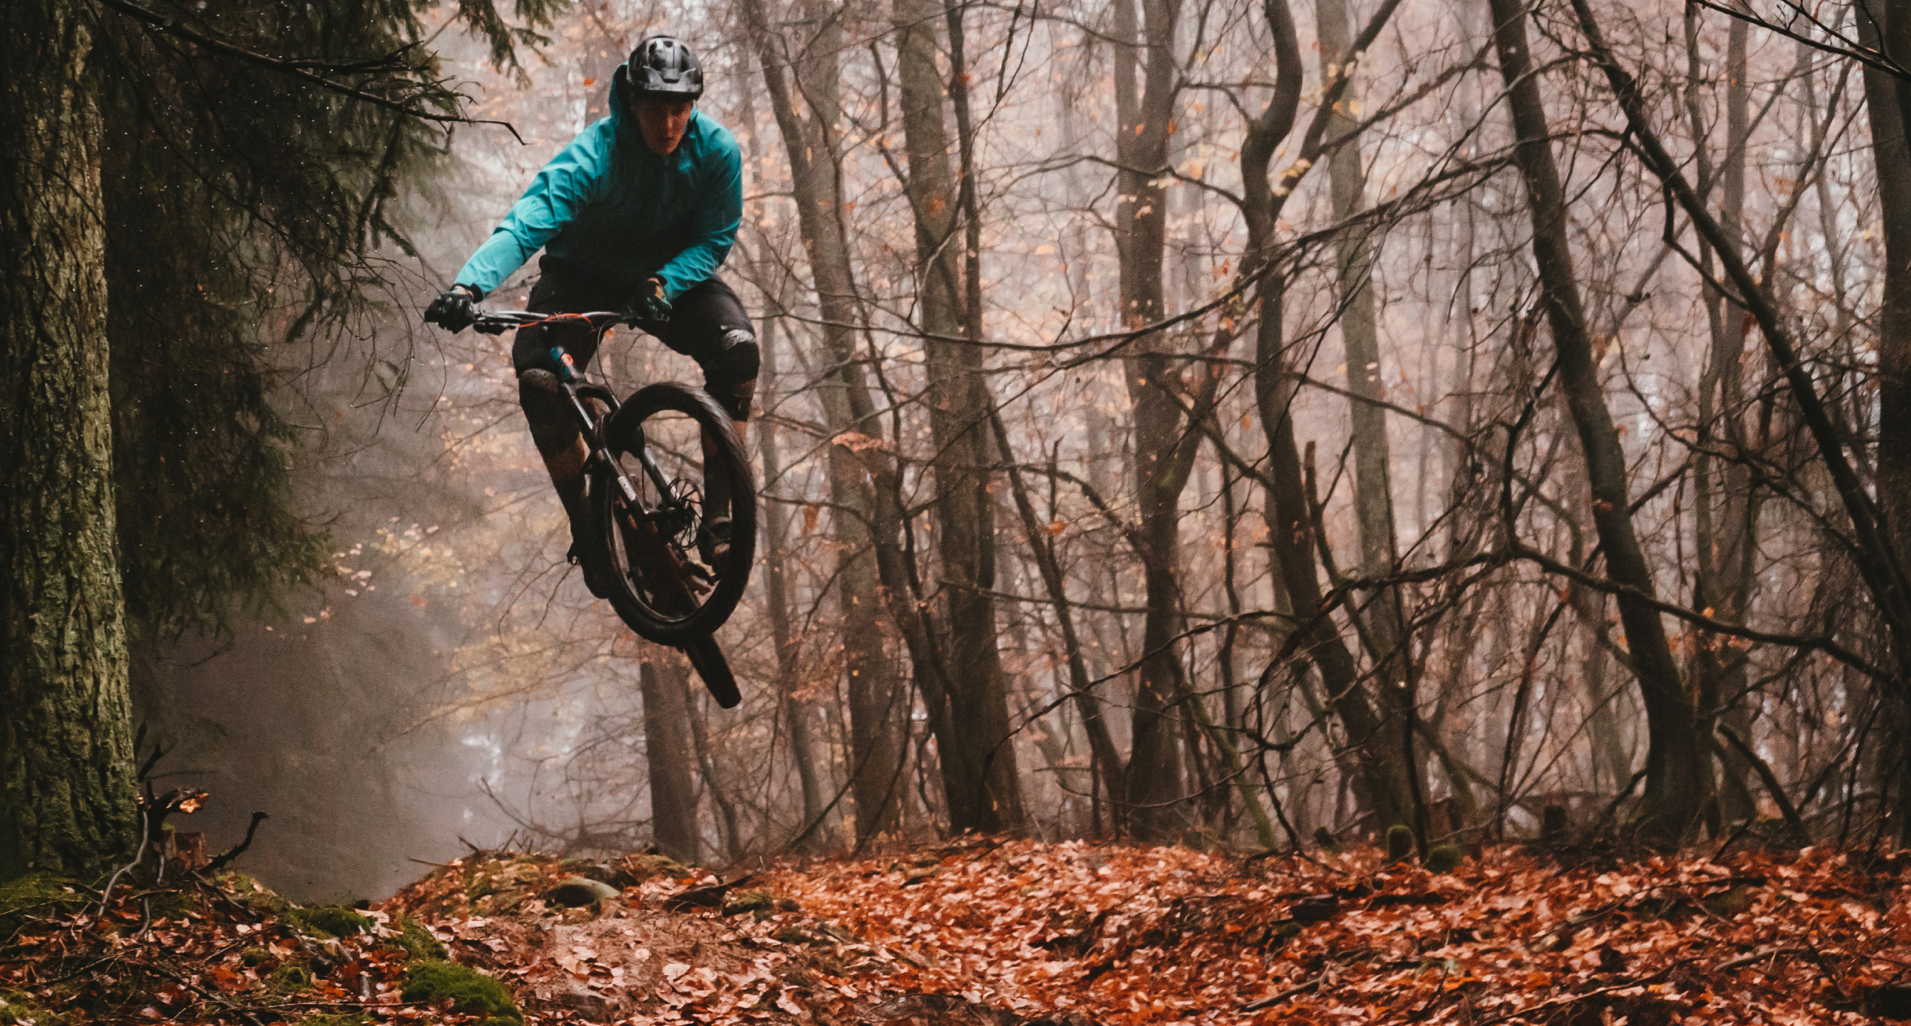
(670, 613)
(707, 658)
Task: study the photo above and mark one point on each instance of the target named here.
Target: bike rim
(654, 543)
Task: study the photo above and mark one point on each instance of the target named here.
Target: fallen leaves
(1017, 933)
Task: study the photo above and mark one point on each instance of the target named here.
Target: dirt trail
(991, 933)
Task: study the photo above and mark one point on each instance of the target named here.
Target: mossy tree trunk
(67, 799)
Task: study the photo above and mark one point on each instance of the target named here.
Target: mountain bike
(653, 459)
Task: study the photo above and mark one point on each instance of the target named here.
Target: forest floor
(993, 932)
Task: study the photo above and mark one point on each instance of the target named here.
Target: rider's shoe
(594, 579)
(713, 542)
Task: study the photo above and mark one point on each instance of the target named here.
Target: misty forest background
(1181, 419)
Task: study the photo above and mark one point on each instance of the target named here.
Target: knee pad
(732, 375)
(542, 397)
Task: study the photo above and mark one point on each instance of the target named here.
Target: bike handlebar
(497, 322)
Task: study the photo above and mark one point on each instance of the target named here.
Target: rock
(578, 891)
(1731, 902)
(588, 1005)
(1445, 859)
(1315, 908)
(748, 901)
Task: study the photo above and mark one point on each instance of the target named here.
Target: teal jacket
(610, 207)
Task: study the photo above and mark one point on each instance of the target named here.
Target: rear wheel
(664, 579)
(707, 657)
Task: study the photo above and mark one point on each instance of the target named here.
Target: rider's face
(662, 122)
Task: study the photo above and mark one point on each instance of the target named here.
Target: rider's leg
(547, 407)
(710, 326)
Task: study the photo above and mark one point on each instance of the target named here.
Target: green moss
(749, 901)
(174, 904)
(290, 978)
(1399, 842)
(339, 1019)
(36, 894)
(643, 867)
(1444, 859)
(469, 991)
(329, 920)
(250, 957)
(17, 1006)
(418, 941)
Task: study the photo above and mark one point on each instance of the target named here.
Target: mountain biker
(637, 213)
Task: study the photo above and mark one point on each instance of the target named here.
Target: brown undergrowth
(993, 932)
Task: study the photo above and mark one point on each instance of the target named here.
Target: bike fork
(567, 374)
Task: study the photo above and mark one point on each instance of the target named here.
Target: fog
(453, 684)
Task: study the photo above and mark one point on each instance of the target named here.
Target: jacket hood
(619, 89)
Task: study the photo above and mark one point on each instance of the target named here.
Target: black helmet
(663, 66)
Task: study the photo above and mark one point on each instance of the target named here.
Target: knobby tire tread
(728, 590)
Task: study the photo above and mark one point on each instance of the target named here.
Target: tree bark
(1382, 615)
(1360, 335)
(1381, 783)
(713, 781)
(800, 713)
(1678, 773)
(1101, 745)
(664, 679)
(67, 798)
(1723, 502)
(1154, 778)
(1886, 100)
(876, 706)
(979, 774)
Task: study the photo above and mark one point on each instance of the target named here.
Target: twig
(236, 850)
(206, 995)
(139, 856)
(1274, 999)
(1757, 956)
(1568, 999)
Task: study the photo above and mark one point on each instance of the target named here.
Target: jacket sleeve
(564, 187)
(714, 231)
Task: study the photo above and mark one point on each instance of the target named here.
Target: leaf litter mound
(993, 932)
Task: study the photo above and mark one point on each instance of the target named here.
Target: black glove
(651, 302)
(453, 311)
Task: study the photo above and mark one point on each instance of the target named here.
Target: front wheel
(675, 449)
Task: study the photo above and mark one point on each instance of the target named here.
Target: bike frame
(576, 390)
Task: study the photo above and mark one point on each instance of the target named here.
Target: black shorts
(704, 325)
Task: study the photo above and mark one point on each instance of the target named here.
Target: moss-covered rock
(1445, 858)
(469, 991)
(1399, 842)
(329, 920)
(649, 865)
(749, 901)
